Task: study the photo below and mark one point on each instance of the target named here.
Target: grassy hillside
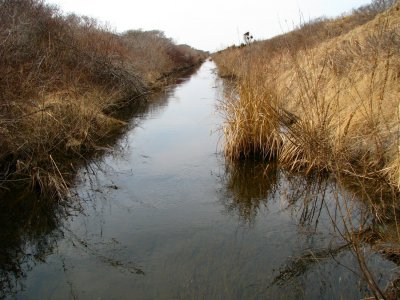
(323, 97)
(61, 79)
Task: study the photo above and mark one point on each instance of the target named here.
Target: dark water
(163, 216)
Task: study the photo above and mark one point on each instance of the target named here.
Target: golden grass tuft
(251, 127)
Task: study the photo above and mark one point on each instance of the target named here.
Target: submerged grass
(62, 77)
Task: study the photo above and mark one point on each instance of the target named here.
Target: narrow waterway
(163, 216)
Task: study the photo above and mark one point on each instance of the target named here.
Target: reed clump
(62, 77)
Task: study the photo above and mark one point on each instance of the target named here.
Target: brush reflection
(248, 184)
(29, 232)
(316, 204)
(331, 218)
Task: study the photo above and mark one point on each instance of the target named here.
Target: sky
(208, 24)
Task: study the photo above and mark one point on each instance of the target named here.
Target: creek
(162, 215)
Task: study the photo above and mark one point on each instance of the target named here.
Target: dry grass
(62, 77)
(331, 105)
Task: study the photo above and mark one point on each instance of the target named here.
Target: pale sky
(208, 24)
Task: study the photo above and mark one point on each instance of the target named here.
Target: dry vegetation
(61, 79)
(324, 97)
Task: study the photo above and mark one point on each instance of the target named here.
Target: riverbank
(63, 78)
(323, 97)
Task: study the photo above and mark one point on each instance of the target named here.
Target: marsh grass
(333, 106)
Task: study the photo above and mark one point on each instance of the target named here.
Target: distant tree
(375, 7)
(248, 38)
(382, 5)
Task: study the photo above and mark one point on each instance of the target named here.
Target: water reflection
(251, 184)
(332, 219)
(29, 232)
(248, 185)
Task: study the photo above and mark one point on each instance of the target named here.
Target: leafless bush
(369, 11)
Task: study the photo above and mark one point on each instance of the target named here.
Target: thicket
(62, 76)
